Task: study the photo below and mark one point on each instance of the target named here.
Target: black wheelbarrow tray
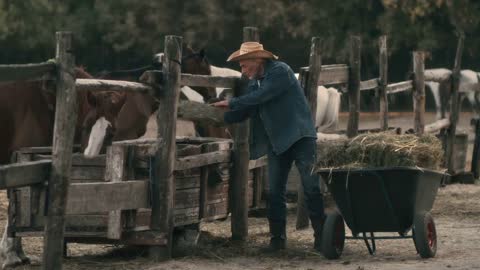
(370, 200)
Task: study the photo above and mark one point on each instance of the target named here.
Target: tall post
(454, 107)
(311, 91)
(162, 219)
(383, 82)
(354, 86)
(241, 158)
(419, 92)
(63, 135)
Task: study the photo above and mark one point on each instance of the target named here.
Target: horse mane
(81, 73)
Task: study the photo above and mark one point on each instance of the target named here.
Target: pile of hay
(381, 150)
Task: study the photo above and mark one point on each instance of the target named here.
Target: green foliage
(125, 33)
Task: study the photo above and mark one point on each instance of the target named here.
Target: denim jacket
(278, 110)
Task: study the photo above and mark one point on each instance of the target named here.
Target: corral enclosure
(116, 184)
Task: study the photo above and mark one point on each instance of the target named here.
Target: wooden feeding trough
(109, 195)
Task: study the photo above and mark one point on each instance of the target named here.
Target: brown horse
(129, 121)
(27, 115)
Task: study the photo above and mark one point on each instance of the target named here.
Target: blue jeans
(303, 152)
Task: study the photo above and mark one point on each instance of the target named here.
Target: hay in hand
(381, 150)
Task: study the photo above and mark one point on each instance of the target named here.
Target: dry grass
(382, 150)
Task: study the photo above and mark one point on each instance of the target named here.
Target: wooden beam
(115, 172)
(419, 92)
(27, 72)
(454, 107)
(163, 187)
(208, 81)
(383, 82)
(399, 87)
(437, 126)
(261, 162)
(354, 87)
(201, 113)
(64, 131)
(369, 85)
(110, 85)
(87, 198)
(333, 74)
(24, 174)
(311, 90)
(241, 156)
(200, 160)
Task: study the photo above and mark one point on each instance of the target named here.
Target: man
(281, 127)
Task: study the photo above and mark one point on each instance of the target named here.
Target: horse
(441, 90)
(128, 118)
(27, 114)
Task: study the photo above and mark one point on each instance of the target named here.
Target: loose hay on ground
(381, 150)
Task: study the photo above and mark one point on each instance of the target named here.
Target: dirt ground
(456, 212)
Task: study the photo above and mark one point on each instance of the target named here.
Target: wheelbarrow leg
(371, 248)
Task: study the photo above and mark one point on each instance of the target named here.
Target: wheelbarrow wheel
(425, 235)
(333, 236)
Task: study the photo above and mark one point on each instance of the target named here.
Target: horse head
(98, 126)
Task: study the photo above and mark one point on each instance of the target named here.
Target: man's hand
(223, 103)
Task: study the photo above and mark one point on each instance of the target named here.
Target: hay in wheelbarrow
(381, 150)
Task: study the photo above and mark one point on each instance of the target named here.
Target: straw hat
(249, 50)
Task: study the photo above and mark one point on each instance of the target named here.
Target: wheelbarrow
(396, 200)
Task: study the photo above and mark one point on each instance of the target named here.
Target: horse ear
(202, 53)
(118, 99)
(92, 99)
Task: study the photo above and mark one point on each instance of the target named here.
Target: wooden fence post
(454, 107)
(354, 86)
(419, 92)
(311, 91)
(241, 158)
(163, 188)
(64, 131)
(383, 82)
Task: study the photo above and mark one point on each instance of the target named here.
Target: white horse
(441, 90)
(328, 101)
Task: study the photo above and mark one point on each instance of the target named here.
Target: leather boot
(278, 234)
(317, 225)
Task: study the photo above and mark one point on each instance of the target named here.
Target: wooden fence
(164, 85)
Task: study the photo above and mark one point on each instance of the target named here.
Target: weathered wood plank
(383, 82)
(333, 74)
(311, 90)
(419, 92)
(369, 85)
(399, 87)
(437, 126)
(115, 172)
(201, 113)
(208, 81)
(354, 87)
(261, 162)
(64, 131)
(101, 197)
(24, 174)
(27, 72)
(202, 160)
(241, 153)
(454, 107)
(163, 187)
(111, 85)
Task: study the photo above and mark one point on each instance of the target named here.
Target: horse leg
(435, 89)
(7, 249)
